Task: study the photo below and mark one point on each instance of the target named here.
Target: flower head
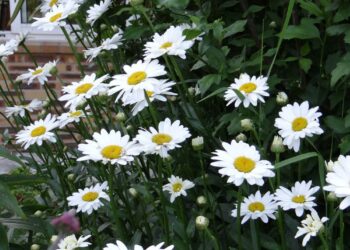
(310, 226)
(38, 132)
(297, 122)
(121, 246)
(257, 206)
(41, 73)
(20, 110)
(252, 88)
(97, 10)
(177, 187)
(89, 199)
(167, 137)
(8, 48)
(69, 117)
(240, 161)
(299, 197)
(339, 180)
(71, 242)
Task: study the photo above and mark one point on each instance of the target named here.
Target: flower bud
(115, 28)
(46, 103)
(34, 247)
(191, 90)
(54, 71)
(38, 213)
(198, 143)
(103, 26)
(241, 137)
(53, 238)
(71, 177)
(172, 98)
(332, 196)
(273, 24)
(281, 98)
(277, 145)
(133, 192)
(201, 201)
(120, 117)
(329, 166)
(247, 124)
(129, 128)
(202, 222)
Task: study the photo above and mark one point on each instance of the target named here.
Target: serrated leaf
(310, 7)
(342, 14)
(235, 28)
(216, 58)
(306, 30)
(305, 64)
(342, 69)
(337, 29)
(295, 159)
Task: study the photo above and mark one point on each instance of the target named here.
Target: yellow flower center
(166, 45)
(161, 139)
(75, 113)
(248, 87)
(149, 93)
(38, 131)
(299, 124)
(55, 17)
(256, 206)
(52, 3)
(177, 187)
(112, 152)
(90, 196)
(37, 72)
(137, 77)
(298, 199)
(83, 88)
(244, 164)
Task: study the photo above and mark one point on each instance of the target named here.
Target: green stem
(280, 221)
(238, 220)
(255, 235)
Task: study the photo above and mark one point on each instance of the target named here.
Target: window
(22, 22)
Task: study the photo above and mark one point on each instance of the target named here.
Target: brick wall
(43, 52)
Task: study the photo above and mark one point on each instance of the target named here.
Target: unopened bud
(129, 128)
(115, 28)
(172, 98)
(53, 238)
(34, 247)
(38, 213)
(247, 124)
(191, 90)
(241, 137)
(133, 192)
(282, 98)
(202, 222)
(277, 145)
(198, 143)
(201, 201)
(46, 103)
(273, 24)
(331, 196)
(103, 26)
(329, 166)
(120, 117)
(71, 177)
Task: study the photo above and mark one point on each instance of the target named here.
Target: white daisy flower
(97, 10)
(297, 122)
(310, 226)
(339, 180)
(77, 93)
(69, 117)
(20, 110)
(172, 42)
(240, 162)
(167, 137)
(177, 187)
(89, 199)
(299, 198)
(252, 88)
(8, 48)
(47, 5)
(41, 73)
(121, 246)
(56, 16)
(137, 77)
(109, 147)
(38, 132)
(107, 44)
(157, 91)
(132, 19)
(71, 242)
(256, 206)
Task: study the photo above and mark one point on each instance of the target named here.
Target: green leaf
(342, 14)
(16, 11)
(310, 7)
(8, 201)
(4, 244)
(336, 124)
(234, 28)
(134, 32)
(337, 29)
(214, 93)
(295, 159)
(176, 4)
(33, 224)
(342, 69)
(306, 30)
(253, 9)
(216, 58)
(305, 64)
(344, 145)
(207, 81)
(22, 179)
(8, 155)
(191, 33)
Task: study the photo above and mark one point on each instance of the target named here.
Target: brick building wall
(43, 52)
